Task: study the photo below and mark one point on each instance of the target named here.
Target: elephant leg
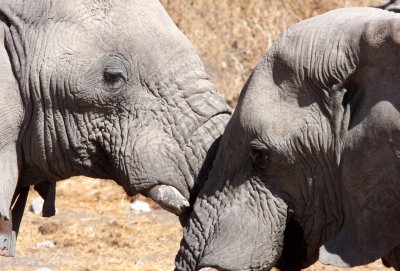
(8, 179)
(392, 259)
(8, 185)
(9, 227)
(47, 190)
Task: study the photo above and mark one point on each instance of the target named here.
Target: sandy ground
(93, 231)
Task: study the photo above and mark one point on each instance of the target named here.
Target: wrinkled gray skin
(311, 156)
(106, 89)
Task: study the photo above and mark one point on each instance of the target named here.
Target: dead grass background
(92, 231)
(232, 35)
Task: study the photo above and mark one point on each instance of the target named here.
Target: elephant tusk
(208, 269)
(169, 198)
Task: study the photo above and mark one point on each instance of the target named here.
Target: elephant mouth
(169, 198)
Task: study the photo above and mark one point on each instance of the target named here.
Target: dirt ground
(92, 230)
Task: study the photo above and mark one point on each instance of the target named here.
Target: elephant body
(107, 89)
(308, 167)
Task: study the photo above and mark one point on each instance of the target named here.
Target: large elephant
(309, 165)
(106, 89)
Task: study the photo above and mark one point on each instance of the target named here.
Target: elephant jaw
(169, 198)
(236, 228)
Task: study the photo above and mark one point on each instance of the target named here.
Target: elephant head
(107, 89)
(311, 154)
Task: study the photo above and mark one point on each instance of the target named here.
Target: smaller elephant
(308, 167)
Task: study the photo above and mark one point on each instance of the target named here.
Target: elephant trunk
(175, 178)
(201, 152)
(234, 236)
(168, 156)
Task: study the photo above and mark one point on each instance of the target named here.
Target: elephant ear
(370, 158)
(12, 51)
(11, 120)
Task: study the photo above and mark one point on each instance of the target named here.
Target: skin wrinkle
(223, 194)
(70, 121)
(48, 138)
(183, 138)
(33, 106)
(117, 136)
(183, 103)
(196, 231)
(328, 206)
(271, 217)
(180, 169)
(270, 213)
(124, 159)
(210, 129)
(58, 123)
(332, 149)
(307, 198)
(83, 134)
(308, 136)
(50, 126)
(160, 74)
(335, 199)
(9, 43)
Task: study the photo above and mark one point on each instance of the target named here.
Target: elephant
(308, 167)
(107, 89)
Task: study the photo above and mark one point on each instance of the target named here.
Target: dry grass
(232, 35)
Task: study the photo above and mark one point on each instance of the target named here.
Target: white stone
(139, 206)
(89, 229)
(48, 244)
(36, 206)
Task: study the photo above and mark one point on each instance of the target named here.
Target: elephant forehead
(275, 111)
(80, 32)
(283, 122)
(85, 9)
(104, 22)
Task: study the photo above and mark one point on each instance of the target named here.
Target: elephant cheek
(244, 240)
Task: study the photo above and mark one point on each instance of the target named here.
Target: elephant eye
(259, 156)
(114, 79)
